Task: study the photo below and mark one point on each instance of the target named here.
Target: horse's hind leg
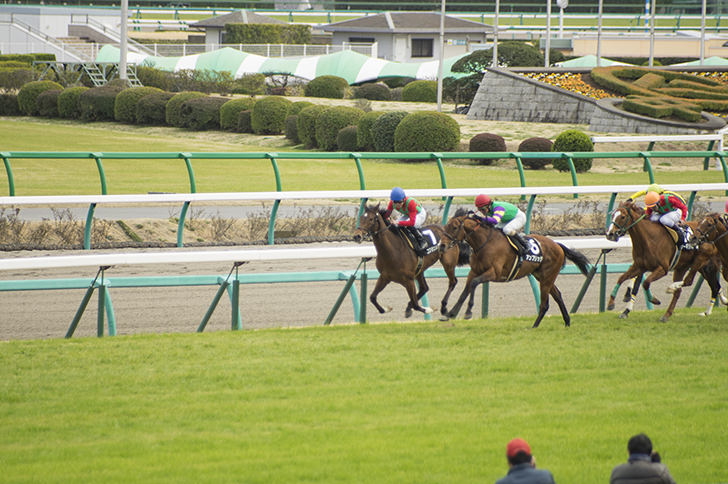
(631, 273)
(542, 308)
(378, 287)
(556, 294)
(423, 290)
(414, 299)
(710, 274)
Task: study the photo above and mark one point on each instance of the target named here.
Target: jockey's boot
(521, 244)
(420, 242)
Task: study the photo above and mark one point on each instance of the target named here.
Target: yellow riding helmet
(651, 199)
(655, 188)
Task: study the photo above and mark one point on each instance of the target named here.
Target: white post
(494, 62)
(599, 35)
(561, 22)
(123, 47)
(702, 34)
(652, 33)
(647, 12)
(547, 50)
(442, 56)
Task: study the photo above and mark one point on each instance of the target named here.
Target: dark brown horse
(397, 261)
(493, 259)
(713, 228)
(654, 251)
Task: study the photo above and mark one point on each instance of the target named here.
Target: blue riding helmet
(397, 194)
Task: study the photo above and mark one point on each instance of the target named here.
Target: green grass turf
(59, 177)
(389, 403)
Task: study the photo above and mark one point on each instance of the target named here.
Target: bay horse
(493, 259)
(654, 251)
(397, 261)
(713, 228)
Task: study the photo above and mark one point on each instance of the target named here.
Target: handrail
(438, 157)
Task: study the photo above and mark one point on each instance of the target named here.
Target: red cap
(517, 445)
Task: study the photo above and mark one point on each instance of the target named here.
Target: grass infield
(389, 403)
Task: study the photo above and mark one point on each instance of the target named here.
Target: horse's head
(623, 218)
(712, 227)
(456, 229)
(370, 223)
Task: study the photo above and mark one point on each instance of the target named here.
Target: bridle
(621, 230)
(455, 238)
(718, 219)
(379, 229)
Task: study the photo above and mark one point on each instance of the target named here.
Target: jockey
(505, 216)
(412, 214)
(654, 187)
(667, 209)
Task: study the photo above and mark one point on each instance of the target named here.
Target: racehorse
(397, 261)
(654, 251)
(714, 228)
(493, 259)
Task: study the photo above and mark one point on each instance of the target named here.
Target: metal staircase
(100, 74)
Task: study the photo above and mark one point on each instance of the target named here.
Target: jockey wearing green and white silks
(503, 215)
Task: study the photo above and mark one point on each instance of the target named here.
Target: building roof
(407, 22)
(236, 17)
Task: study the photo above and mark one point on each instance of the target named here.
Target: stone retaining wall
(505, 96)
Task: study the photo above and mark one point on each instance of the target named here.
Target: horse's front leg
(488, 275)
(423, 290)
(658, 273)
(378, 287)
(631, 295)
(710, 274)
(632, 272)
(463, 295)
(452, 282)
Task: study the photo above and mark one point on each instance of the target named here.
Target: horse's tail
(465, 250)
(577, 258)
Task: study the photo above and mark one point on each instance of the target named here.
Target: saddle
(534, 254)
(427, 236)
(680, 237)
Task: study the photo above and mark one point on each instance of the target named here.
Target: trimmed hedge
(269, 115)
(659, 107)
(383, 130)
(535, 144)
(420, 91)
(373, 91)
(9, 104)
(306, 124)
(250, 84)
(152, 77)
(29, 93)
(47, 103)
(173, 114)
(125, 110)
(68, 102)
(202, 113)
(487, 142)
(244, 123)
(427, 131)
(230, 110)
(365, 139)
(97, 103)
(331, 120)
(239, 33)
(299, 106)
(346, 139)
(291, 131)
(332, 87)
(152, 108)
(13, 78)
(569, 141)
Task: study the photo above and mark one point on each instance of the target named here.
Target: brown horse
(713, 228)
(654, 251)
(493, 259)
(397, 261)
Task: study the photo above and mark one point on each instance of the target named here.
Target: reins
(623, 230)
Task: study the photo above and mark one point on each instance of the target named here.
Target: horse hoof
(723, 299)
(664, 319)
(468, 316)
(703, 314)
(427, 310)
(388, 309)
(408, 313)
(624, 315)
(444, 317)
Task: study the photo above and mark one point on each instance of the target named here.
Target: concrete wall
(505, 96)
(638, 45)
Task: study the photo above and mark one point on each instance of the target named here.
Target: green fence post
(9, 171)
(584, 287)
(721, 157)
(101, 306)
(706, 160)
(695, 291)
(82, 307)
(362, 184)
(691, 201)
(342, 295)
(647, 165)
(521, 174)
(185, 205)
(446, 210)
(484, 298)
(92, 208)
(529, 212)
(438, 160)
(610, 208)
(363, 293)
(274, 211)
(221, 290)
(570, 160)
(110, 317)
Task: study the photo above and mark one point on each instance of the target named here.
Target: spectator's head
(639, 444)
(518, 452)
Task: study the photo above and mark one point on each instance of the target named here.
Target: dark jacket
(641, 470)
(525, 474)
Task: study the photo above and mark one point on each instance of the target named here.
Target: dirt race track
(48, 313)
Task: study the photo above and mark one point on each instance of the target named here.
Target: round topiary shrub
(68, 104)
(47, 103)
(230, 110)
(420, 91)
(532, 145)
(28, 94)
(202, 113)
(331, 120)
(365, 139)
(291, 131)
(244, 123)
(332, 87)
(569, 141)
(298, 106)
(487, 142)
(9, 105)
(97, 103)
(346, 139)
(152, 108)
(383, 130)
(306, 124)
(427, 131)
(174, 106)
(126, 101)
(269, 115)
(373, 91)
(153, 77)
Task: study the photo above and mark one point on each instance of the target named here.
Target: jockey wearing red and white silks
(412, 212)
(667, 209)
